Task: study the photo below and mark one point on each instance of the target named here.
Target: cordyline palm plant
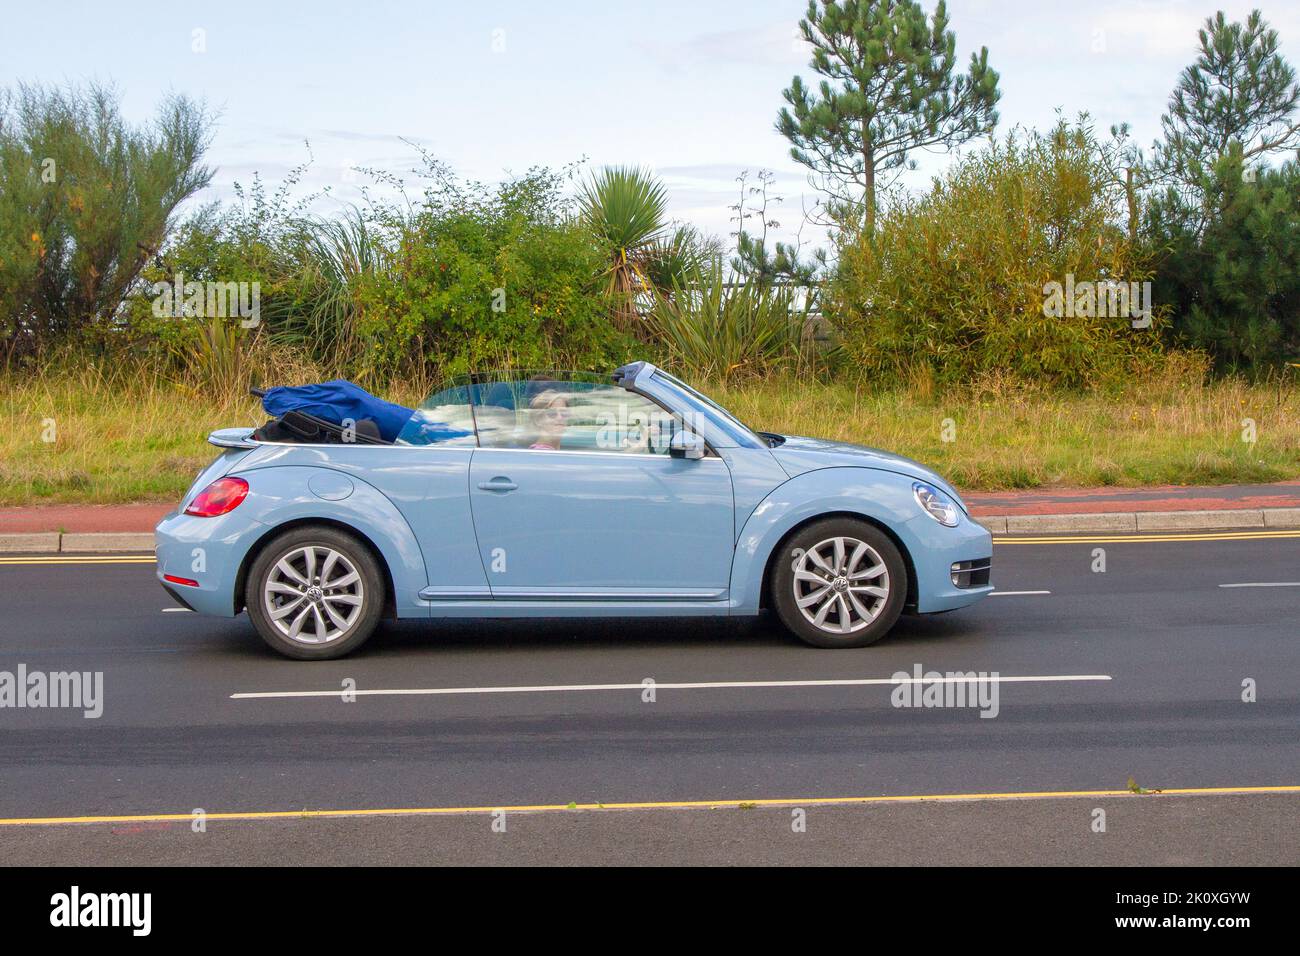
(624, 208)
(724, 330)
(677, 256)
(331, 258)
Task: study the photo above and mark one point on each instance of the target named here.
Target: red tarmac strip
(1060, 501)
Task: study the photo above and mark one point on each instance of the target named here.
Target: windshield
(741, 433)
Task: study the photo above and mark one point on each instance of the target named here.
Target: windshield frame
(720, 418)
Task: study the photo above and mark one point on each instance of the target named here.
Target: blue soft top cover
(336, 401)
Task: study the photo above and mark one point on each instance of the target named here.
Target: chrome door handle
(499, 483)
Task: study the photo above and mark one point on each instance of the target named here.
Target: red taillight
(188, 582)
(218, 498)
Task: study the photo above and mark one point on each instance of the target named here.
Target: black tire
(324, 608)
(793, 558)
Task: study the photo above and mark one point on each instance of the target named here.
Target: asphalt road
(1174, 644)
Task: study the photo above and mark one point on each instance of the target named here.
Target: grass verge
(125, 439)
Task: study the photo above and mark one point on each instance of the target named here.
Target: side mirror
(686, 444)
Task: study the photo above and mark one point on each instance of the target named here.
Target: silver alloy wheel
(840, 585)
(313, 594)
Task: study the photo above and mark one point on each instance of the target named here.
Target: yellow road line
(643, 805)
(84, 559)
(1144, 538)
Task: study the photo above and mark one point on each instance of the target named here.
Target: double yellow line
(252, 815)
(81, 559)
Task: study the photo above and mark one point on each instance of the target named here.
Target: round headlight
(936, 504)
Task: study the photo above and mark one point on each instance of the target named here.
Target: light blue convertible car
(516, 495)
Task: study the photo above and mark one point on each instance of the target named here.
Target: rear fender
(284, 496)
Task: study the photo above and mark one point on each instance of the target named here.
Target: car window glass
(557, 413)
(445, 418)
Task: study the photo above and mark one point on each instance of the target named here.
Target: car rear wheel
(315, 593)
(840, 582)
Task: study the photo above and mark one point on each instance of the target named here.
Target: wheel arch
(765, 593)
(241, 577)
(881, 498)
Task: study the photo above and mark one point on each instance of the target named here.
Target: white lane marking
(707, 685)
(1017, 593)
(1264, 584)
(177, 610)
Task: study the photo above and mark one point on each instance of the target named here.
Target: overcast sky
(688, 88)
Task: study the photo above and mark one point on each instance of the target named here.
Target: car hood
(798, 454)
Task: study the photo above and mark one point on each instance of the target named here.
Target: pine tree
(1234, 280)
(1239, 90)
(889, 89)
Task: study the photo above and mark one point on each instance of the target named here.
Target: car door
(599, 510)
(426, 475)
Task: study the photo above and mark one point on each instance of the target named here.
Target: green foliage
(217, 357)
(1239, 90)
(756, 264)
(951, 288)
(328, 262)
(482, 277)
(624, 208)
(469, 276)
(715, 328)
(889, 89)
(752, 260)
(85, 201)
(1235, 282)
(678, 255)
(259, 239)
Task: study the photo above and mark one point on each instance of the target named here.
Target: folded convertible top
(339, 401)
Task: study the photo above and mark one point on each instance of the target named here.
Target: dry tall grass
(124, 434)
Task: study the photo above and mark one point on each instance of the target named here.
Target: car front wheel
(840, 582)
(315, 593)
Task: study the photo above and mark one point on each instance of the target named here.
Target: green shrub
(483, 277)
(85, 202)
(951, 286)
(471, 276)
(1231, 266)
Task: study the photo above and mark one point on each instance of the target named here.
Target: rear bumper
(174, 592)
(207, 550)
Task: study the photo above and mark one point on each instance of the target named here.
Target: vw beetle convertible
(517, 495)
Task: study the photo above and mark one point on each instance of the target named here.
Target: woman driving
(549, 411)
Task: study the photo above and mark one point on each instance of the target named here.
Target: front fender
(884, 497)
(282, 495)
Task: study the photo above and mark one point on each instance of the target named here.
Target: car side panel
(883, 496)
(429, 488)
(211, 550)
(600, 524)
(754, 474)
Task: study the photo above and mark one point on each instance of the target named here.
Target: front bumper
(935, 550)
